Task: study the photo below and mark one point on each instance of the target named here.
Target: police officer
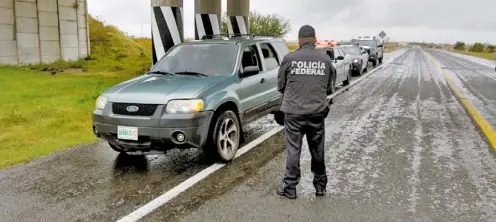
(305, 79)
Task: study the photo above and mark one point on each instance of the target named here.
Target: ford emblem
(132, 109)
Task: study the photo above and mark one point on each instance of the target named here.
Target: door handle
(262, 80)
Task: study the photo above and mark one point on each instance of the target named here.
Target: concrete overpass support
(207, 17)
(238, 12)
(8, 43)
(167, 26)
(34, 31)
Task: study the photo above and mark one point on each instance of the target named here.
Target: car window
(269, 56)
(351, 50)
(250, 57)
(372, 43)
(282, 49)
(208, 59)
(327, 51)
(338, 52)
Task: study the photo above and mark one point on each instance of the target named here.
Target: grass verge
(48, 111)
(485, 55)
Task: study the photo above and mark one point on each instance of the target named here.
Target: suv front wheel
(225, 137)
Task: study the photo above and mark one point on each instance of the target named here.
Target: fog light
(180, 137)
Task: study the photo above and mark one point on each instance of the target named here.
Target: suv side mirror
(250, 70)
(340, 58)
(364, 52)
(381, 45)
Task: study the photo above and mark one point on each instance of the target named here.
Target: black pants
(296, 126)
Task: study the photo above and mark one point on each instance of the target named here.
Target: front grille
(143, 109)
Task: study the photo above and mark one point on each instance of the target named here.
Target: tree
(491, 48)
(264, 25)
(460, 45)
(477, 47)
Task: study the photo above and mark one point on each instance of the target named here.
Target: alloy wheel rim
(228, 138)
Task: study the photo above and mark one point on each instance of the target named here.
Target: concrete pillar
(238, 12)
(27, 32)
(83, 30)
(69, 40)
(49, 30)
(8, 43)
(34, 31)
(167, 26)
(207, 17)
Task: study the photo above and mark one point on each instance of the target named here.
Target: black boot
(285, 191)
(320, 192)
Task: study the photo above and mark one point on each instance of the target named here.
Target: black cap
(306, 31)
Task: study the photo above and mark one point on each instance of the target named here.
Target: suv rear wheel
(380, 60)
(224, 138)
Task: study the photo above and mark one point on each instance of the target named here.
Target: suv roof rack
(227, 36)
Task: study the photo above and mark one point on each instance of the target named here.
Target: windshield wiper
(191, 73)
(161, 73)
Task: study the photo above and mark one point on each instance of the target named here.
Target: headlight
(100, 102)
(184, 106)
(355, 60)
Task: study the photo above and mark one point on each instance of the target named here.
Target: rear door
(346, 63)
(250, 93)
(271, 61)
(338, 64)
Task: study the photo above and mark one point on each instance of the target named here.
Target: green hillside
(44, 112)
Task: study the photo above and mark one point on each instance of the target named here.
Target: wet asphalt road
(399, 148)
(94, 183)
(477, 82)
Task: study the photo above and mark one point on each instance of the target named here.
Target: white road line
(169, 195)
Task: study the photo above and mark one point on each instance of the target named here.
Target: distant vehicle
(341, 63)
(199, 94)
(326, 43)
(359, 58)
(374, 47)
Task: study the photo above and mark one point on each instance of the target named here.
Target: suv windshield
(351, 50)
(202, 59)
(372, 43)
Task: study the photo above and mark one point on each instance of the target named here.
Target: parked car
(341, 63)
(359, 58)
(374, 47)
(199, 94)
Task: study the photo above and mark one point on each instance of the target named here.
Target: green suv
(198, 95)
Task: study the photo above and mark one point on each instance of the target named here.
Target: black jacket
(305, 81)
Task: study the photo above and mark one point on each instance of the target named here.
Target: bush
(264, 25)
(491, 48)
(460, 45)
(477, 47)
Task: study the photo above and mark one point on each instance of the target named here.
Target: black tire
(116, 148)
(223, 141)
(374, 63)
(366, 68)
(380, 60)
(348, 78)
(279, 118)
(333, 89)
(359, 71)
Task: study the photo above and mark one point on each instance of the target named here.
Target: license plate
(127, 133)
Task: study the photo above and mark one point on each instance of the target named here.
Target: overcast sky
(403, 20)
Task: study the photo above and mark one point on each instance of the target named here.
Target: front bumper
(356, 66)
(156, 132)
(372, 57)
